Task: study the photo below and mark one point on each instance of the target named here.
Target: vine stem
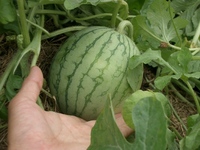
(54, 12)
(171, 16)
(181, 86)
(194, 96)
(93, 16)
(115, 13)
(24, 26)
(182, 98)
(38, 26)
(177, 116)
(64, 30)
(196, 37)
(175, 112)
(195, 57)
(38, 39)
(9, 69)
(122, 25)
(176, 132)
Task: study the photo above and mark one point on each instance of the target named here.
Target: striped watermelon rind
(91, 64)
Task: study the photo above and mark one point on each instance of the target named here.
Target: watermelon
(88, 67)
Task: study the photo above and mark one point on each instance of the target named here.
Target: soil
(49, 48)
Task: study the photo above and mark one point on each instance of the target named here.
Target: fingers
(125, 130)
(31, 86)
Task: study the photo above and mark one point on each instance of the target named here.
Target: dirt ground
(8, 49)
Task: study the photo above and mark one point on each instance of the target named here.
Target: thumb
(125, 130)
(31, 86)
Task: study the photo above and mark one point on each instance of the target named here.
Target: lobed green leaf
(191, 140)
(150, 125)
(109, 136)
(150, 128)
(132, 101)
(7, 11)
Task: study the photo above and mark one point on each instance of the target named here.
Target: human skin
(32, 128)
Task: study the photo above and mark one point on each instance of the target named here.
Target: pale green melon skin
(87, 68)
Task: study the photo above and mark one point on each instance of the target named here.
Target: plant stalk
(195, 57)
(176, 133)
(53, 12)
(64, 30)
(196, 37)
(194, 96)
(122, 25)
(9, 69)
(93, 16)
(180, 96)
(24, 26)
(177, 116)
(115, 14)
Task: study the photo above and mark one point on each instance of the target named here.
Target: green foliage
(167, 35)
(109, 136)
(190, 140)
(150, 128)
(13, 84)
(7, 12)
(8, 17)
(135, 6)
(76, 3)
(131, 102)
(150, 125)
(191, 12)
(158, 22)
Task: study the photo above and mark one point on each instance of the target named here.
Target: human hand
(31, 128)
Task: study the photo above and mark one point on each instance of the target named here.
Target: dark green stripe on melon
(89, 66)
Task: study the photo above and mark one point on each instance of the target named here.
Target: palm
(52, 130)
(30, 127)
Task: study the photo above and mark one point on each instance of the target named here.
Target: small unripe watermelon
(88, 67)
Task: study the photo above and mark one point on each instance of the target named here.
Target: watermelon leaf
(69, 4)
(13, 85)
(150, 128)
(7, 12)
(171, 141)
(135, 5)
(137, 96)
(162, 81)
(191, 140)
(191, 13)
(150, 125)
(109, 136)
(135, 76)
(192, 120)
(108, 6)
(149, 56)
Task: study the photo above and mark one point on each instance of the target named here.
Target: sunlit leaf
(132, 101)
(189, 11)
(150, 128)
(150, 125)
